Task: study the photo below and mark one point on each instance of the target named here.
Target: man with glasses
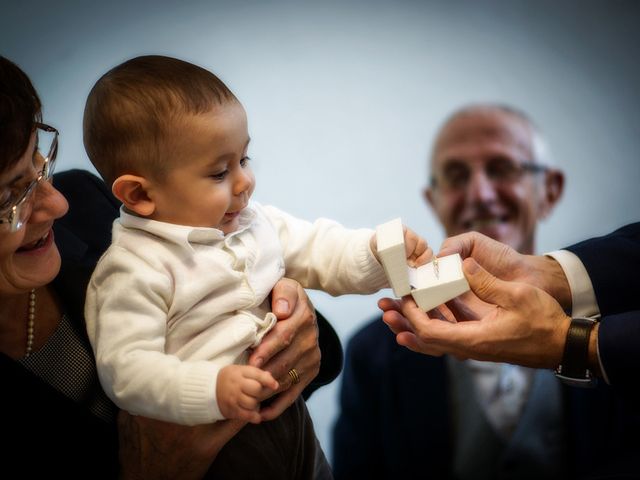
(15, 209)
(407, 415)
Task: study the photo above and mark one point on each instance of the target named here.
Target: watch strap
(574, 368)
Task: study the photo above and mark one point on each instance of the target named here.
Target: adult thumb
(486, 287)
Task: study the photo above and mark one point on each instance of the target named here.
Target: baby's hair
(132, 108)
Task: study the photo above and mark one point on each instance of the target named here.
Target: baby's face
(211, 180)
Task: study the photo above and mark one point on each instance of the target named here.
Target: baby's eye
(220, 176)
(244, 161)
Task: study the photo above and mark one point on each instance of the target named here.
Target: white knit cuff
(198, 402)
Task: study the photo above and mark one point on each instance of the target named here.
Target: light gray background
(343, 98)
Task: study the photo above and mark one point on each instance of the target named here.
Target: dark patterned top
(66, 363)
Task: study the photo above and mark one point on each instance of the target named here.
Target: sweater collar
(184, 235)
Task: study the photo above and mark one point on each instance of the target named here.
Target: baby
(183, 291)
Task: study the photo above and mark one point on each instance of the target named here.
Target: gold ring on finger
(293, 375)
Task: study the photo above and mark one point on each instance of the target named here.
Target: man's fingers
(442, 312)
(385, 304)
(430, 331)
(396, 322)
(462, 244)
(468, 307)
(279, 338)
(487, 287)
(413, 343)
(284, 297)
(301, 323)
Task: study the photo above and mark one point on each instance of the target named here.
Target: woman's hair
(20, 108)
(132, 109)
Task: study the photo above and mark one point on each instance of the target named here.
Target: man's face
(211, 181)
(480, 182)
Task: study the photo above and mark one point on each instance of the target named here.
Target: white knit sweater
(168, 305)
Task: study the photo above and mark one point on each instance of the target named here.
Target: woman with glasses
(55, 419)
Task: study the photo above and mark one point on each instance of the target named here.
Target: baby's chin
(229, 226)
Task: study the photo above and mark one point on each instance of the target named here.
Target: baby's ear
(132, 191)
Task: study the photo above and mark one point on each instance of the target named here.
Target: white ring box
(430, 285)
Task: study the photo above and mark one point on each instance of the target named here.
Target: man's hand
(517, 323)
(507, 264)
(292, 343)
(156, 450)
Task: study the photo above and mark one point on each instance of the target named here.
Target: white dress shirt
(502, 390)
(583, 297)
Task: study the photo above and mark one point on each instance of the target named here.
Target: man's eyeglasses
(456, 175)
(17, 212)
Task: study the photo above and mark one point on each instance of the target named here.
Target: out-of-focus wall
(343, 98)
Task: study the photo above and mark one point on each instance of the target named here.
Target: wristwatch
(574, 368)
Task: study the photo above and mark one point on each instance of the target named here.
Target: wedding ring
(293, 374)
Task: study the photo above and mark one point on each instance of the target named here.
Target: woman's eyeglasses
(16, 214)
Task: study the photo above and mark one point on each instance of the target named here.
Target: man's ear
(428, 194)
(133, 192)
(553, 188)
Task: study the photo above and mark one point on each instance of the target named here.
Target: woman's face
(29, 257)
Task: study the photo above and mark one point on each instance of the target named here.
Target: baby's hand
(241, 388)
(416, 248)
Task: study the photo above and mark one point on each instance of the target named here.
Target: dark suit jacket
(608, 441)
(396, 414)
(613, 264)
(395, 411)
(396, 418)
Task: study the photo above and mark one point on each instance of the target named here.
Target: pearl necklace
(31, 320)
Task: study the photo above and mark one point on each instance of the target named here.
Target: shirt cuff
(583, 298)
